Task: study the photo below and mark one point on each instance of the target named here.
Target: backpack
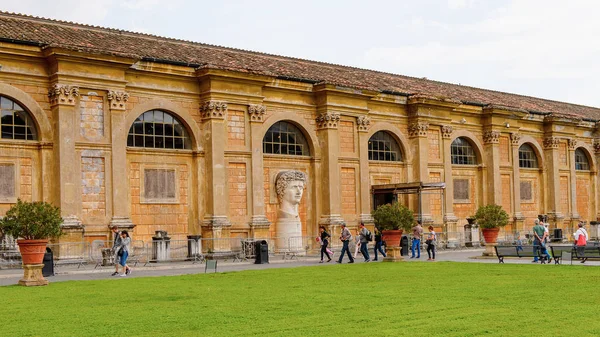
(369, 236)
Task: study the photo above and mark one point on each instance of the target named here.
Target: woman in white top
(581, 237)
(431, 242)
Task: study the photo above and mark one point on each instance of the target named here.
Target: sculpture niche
(288, 230)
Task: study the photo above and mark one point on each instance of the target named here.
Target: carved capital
(515, 138)
(328, 120)
(551, 142)
(363, 122)
(63, 94)
(213, 109)
(256, 112)
(491, 137)
(418, 129)
(572, 143)
(447, 131)
(117, 99)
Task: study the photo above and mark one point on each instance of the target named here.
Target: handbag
(428, 241)
(120, 251)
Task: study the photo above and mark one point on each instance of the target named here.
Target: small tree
(32, 221)
(491, 216)
(393, 217)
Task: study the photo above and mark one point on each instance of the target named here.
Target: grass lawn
(376, 299)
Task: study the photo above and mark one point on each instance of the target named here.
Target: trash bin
(557, 235)
(262, 252)
(468, 235)
(48, 269)
(404, 245)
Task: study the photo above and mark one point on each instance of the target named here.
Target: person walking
(123, 253)
(356, 243)
(546, 240)
(115, 248)
(365, 235)
(581, 237)
(417, 232)
(539, 235)
(378, 244)
(345, 237)
(324, 243)
(431, 242)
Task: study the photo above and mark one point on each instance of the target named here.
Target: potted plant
(32, 224)
(391, 220)
(490, 218)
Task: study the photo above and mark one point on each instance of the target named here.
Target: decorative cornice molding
(491, 137)
(117, 99)
(418, 129)
(515, 138)
(363, 122)
(328, 120)
(256, 112)
(572, 143)
(63, 94)
(447, 131)
(213, 109)
(551, 142)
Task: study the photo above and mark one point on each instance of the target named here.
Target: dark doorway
(384, 198)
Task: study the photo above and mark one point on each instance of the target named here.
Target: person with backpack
(581, 237)
(365, 237)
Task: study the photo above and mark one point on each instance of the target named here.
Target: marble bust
(290, 188)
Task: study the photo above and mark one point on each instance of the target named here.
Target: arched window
(15, 121)
(527, 157)
(382, 146)
(462, 152)
(285, 138)
(160, 130)
(581, 161)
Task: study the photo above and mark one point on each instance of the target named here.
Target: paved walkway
(87, 272)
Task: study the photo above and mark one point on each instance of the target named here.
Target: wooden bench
(62, 262)
(518, 251)
(589, 252)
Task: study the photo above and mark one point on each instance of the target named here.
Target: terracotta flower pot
(490, 234)
(392, 237)
(32, 251)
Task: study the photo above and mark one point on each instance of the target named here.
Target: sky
(541, 48)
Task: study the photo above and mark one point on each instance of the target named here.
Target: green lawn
(376, 299)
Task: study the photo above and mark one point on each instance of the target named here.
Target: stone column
(517, 215)
(259, 224)
(327, 124)
(596, 144)
(215, 225)
(363, 123)
(573, 174)
(491, 139)
(67, 177)
(553, 182)
(418, 132)
(450, 219)
(120, 184)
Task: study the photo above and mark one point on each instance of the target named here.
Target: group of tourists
(541, 237)
(364, 236)
(121, 248)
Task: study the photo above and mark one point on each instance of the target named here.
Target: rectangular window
(526, 191)
(159, 185)
(7, 181)
(461, 190)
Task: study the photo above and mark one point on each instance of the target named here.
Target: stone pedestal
(260, 226)
(393, 254)
(32, 276)
(161, 246)
(194, 246)
(489, 249)
(288, 235)
(216, 234)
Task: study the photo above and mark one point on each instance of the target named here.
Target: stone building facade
(150, 133)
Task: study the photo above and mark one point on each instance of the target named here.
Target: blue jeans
(345, 250)
(379, 247)
(364, 250)
(538, 250)
(123, 258)
(416, 244)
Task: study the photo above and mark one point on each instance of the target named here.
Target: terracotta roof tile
(91, 39)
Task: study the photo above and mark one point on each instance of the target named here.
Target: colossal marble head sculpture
(290, 187)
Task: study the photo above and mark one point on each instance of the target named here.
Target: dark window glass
(462, 152)
(527, 157)
(285, 138)
(382, 146)
(15, 121)
(581, 161)
(158, 129)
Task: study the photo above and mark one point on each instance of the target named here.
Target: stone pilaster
(418, 135)
(518, 217)
(551, 155)
(259, 223)
(327, 131)
(572, 144)
(450, 220)
(596, 146)
(215, 225)
(363, 123)
(491, 139)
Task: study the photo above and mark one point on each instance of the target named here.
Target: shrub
(491, 216)
(32, 221)
(394, 216)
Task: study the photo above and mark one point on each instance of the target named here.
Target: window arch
(285, 138)
(160, 130)
(15, 121)
(382, 146)
(462, 152)
(527, 157)
(582, 162)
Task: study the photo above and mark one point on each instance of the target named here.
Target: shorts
(123, 258)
